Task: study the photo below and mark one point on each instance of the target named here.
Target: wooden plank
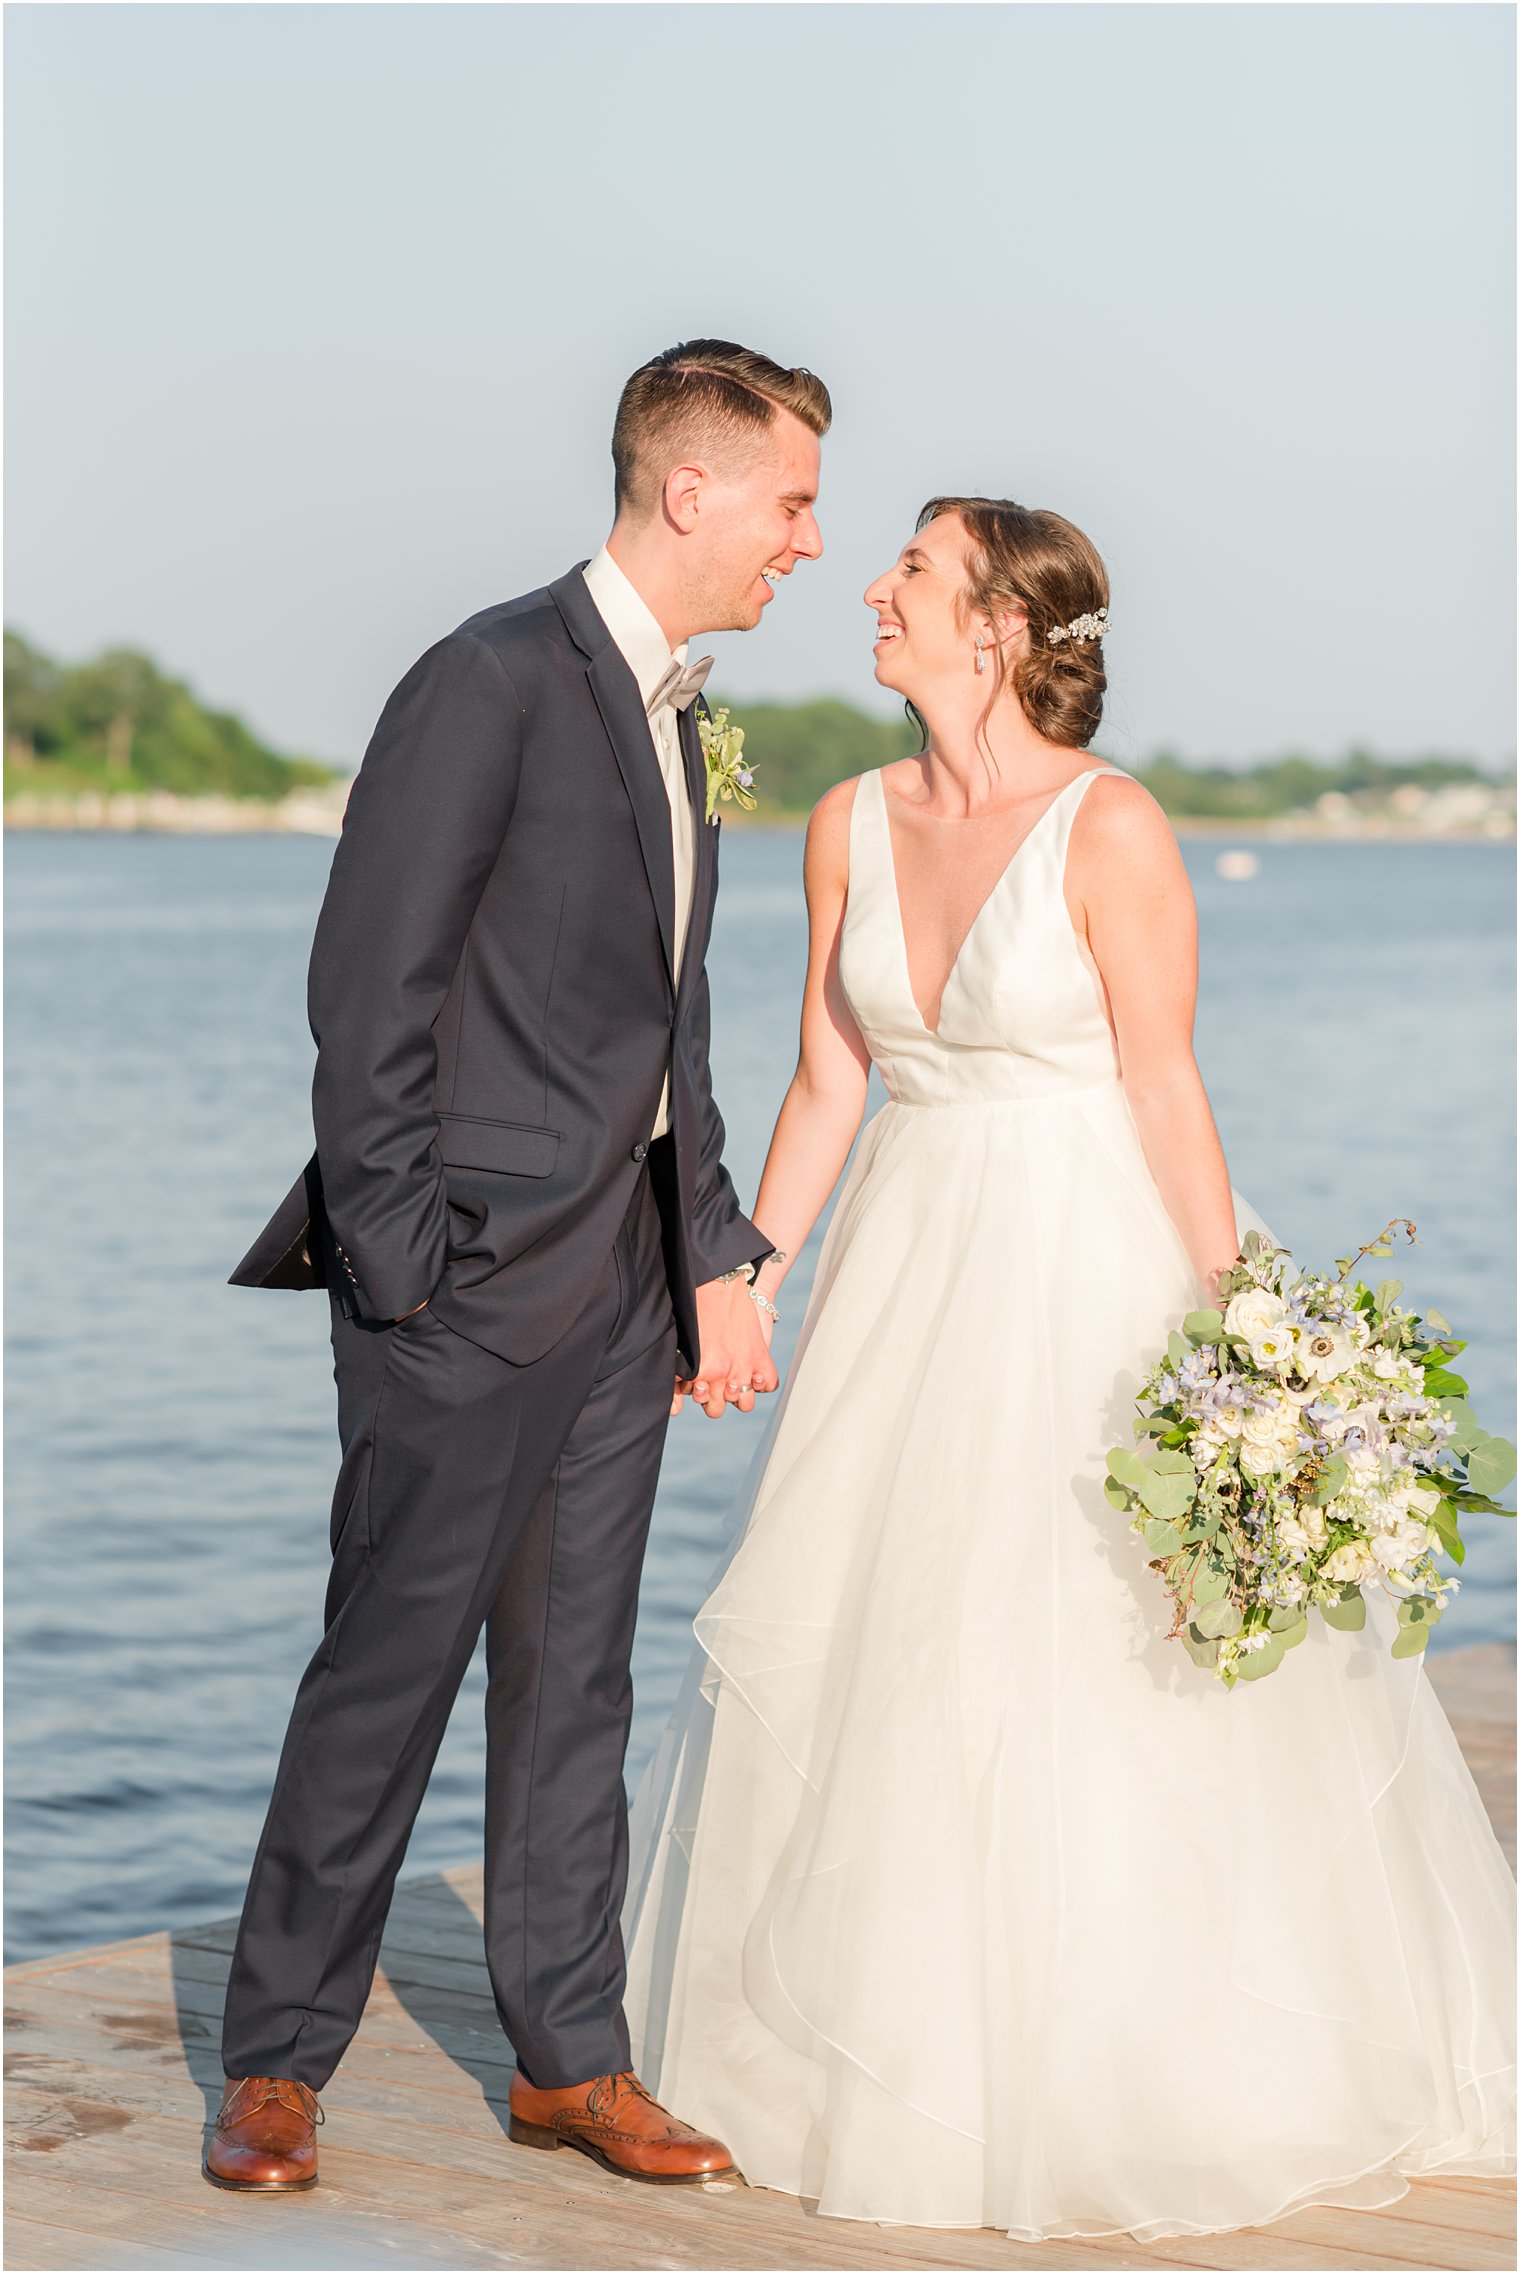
(41, 2244)
(586, 2223)
(407, 2159)
(113, 2065)
(231, 2230)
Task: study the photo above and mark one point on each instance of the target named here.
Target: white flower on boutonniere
(723, 756)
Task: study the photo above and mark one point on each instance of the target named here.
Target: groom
(519, 1209)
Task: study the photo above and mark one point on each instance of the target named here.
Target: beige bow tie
(681, 685)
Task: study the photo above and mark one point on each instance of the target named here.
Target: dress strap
(869, 840)
(1069, 800)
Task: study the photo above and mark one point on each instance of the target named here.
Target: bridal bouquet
(1309, 1440)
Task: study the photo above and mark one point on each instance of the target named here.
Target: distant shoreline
(310, 813)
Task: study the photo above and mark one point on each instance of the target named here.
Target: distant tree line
(799, 749)
(117, 723)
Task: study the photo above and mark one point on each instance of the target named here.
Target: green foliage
(804, 748)
(799, 750)
(116, 723)
(1490, 1465)
(1253, 1664)
(1280, 785)
(1167, 1487)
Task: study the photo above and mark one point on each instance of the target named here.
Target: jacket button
(639, 1151)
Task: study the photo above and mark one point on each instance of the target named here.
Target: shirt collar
(631, 622)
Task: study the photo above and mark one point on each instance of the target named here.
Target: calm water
(172, 1440)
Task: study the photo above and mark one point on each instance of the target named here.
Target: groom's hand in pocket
(734, 1360)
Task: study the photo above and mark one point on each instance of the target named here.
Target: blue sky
(318, 315)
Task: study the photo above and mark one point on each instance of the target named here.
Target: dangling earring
(981, 660)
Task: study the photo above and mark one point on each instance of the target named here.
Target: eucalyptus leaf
(1204, 1326)
(1388, 1290)
(1294, 1635)
(1161, 1539)
(1434, 1318)
(1467, 1430)
(1348, 1616)
(1253, 1664)
(1116, 1494)
(1210, 1583)
(1491, 1465)
(1410, 1641)
(1200, 1649)
(1168, 1491)
(1176, 1348)
(1283, 1616)
(1217, 1619)
(1126, 1467)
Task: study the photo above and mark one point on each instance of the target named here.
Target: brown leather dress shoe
(265, 2141)
(614, 2120)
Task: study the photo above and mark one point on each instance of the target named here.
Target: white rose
(1292, 1539)
(1251, 1312)
(1316, 1524)
(1272, 1347)
(1260, 1460)
(1425, 1499)
(1416, 1539)
(1260, 1426)
(1205, 1447)
(1229, 1419)
(1350, 1562)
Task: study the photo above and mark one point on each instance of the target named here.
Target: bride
(960, 1897)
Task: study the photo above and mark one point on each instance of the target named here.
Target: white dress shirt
(648, 656)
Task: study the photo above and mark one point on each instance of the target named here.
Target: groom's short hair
(699, 398)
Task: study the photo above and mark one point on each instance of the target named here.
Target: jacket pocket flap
(510, 1147)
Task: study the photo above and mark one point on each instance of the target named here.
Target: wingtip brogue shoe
(264, 2141)
(620, 2126)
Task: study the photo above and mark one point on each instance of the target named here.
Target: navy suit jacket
(493, 1002)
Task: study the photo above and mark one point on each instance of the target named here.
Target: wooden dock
(112, 2068)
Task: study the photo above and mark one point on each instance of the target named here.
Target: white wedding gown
(959, 1896)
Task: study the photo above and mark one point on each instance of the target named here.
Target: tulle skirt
(959, 1896)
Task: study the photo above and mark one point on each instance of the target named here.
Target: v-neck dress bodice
(1020, 1015)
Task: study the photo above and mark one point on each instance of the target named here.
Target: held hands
(734, 1359)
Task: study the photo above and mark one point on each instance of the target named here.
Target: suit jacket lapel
(706, 845)
(617, 696)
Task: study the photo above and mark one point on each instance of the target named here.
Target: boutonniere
(723, 756)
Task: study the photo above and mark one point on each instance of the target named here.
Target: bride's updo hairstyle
(1021, 554)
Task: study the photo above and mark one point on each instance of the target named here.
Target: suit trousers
(471, 1493)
